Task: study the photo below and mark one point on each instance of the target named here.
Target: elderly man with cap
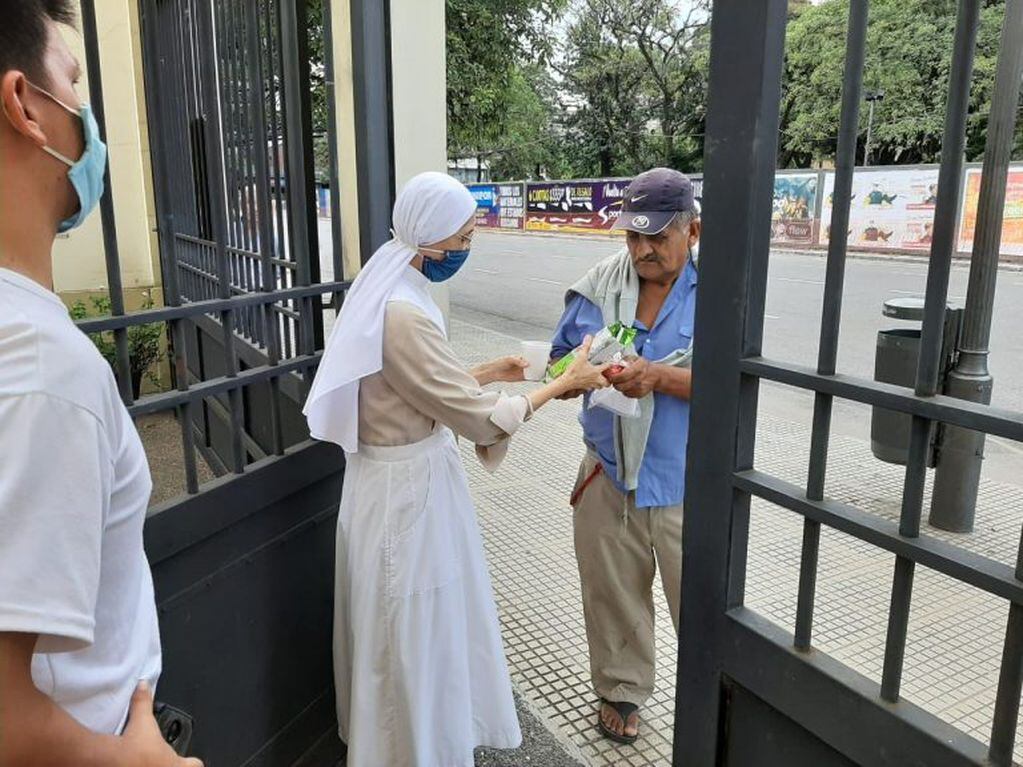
(628, 498)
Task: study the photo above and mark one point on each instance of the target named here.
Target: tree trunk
(669, 137)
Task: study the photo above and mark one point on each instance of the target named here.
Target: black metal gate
(243, 564)
(751, 693)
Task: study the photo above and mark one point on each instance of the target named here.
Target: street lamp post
(957, 478)
(872, 97)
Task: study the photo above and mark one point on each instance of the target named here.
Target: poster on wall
(498, 206)
(697, 189)
(1012, 221)
(512, 210)
(574, 206)
(794, 208)
(891, 209)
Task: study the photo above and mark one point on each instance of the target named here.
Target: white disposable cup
(538, 355)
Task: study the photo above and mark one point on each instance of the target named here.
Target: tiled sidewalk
(955, 634)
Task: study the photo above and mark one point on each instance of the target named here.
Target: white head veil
(431, 208)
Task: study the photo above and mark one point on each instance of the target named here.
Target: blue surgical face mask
(86, 175)
(439, 271)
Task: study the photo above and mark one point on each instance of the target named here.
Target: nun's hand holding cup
(509, 369)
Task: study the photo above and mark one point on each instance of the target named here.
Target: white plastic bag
(613, 400)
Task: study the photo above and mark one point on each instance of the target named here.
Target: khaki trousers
(617, 565)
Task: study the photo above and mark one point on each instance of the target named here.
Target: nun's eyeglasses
(466, 239)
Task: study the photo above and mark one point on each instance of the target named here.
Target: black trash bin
(895, 362)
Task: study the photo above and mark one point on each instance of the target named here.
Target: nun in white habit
(419, 668)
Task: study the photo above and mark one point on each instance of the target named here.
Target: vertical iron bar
(831, 319)
(215, 156)
(337, 243)
(1010, 679)
(249, 53)
(747, 52)
(228, 114)
(374, 126)
(898, 628)
(160, 118)
(1010, 686)
(268, 283)
(287, 215)
(243, 143)
(298, 144)
(947, 207)
(928, 368)
(229, 137)
(957, 478)
(274, 94)
(110, 249)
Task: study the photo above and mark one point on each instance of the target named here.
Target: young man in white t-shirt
(79, 641)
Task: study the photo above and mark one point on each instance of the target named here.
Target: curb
(958, 259)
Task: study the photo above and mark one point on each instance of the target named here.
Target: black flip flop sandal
(624, 710)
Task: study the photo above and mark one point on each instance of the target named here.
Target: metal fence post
(374, 124)
(106, 204)
(742, 118)
(957, 478)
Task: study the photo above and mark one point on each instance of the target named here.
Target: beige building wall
(344, 100)
(419, 87)
(79, 264)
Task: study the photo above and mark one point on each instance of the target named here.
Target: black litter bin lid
(907, 308)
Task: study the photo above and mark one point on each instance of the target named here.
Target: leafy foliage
(145, 342)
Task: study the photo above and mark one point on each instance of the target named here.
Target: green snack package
(610, 341)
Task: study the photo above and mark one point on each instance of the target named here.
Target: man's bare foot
(614, 726)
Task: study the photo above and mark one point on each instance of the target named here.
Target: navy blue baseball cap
(653, 199)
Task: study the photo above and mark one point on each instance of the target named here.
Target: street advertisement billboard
(1012, 221)
(891, 209)
(574, 206)
(793, 215)
(498, 206)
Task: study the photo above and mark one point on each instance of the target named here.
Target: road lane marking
(485, 271)
(801, 282)
(1004, 443)
(546, 282)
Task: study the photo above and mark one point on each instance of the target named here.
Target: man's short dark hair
(23, 34)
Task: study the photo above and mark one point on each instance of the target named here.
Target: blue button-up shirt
(662, 475)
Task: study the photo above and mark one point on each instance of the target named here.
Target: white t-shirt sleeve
(55, 484)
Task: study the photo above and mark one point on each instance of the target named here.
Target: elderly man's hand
(638, 379)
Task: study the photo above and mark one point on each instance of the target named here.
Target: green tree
(909, 48)
(528, 141)
(636, 76)
(670, 37)
(605, 108)
(486, 41)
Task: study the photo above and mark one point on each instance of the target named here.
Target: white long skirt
(419, 668)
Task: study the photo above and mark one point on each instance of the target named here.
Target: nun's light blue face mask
(86, 174)
(447, 267)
